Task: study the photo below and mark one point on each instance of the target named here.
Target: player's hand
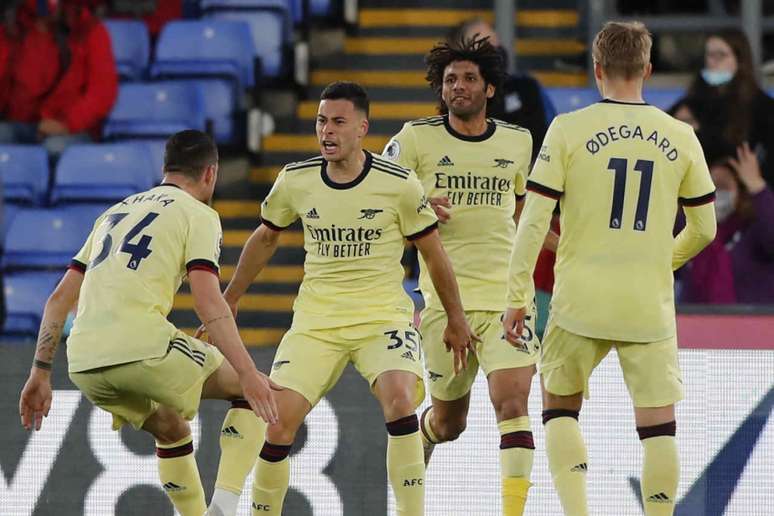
(51, 127)
(439, 205)
(748, 169)
(513, 325)
(459, 339)
(257, 390)
(35, 399)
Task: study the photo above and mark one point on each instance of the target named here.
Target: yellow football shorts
(310, 362)
(132, 392)
(492, 353)
(651, 370)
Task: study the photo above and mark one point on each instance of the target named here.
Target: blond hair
(622, 49)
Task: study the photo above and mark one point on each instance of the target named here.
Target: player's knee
(400, 404)
(281, 433)
(171, 430)
(449, 429)
(511, 407)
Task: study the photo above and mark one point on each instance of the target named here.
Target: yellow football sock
(180, 477)
(272, 476)
(660, 469)
(240, 439)
(406, 466)
(516, 455)
(567, 460)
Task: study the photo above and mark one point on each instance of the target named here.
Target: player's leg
(509, 373)
(653, 378)
(136, 393)
(389, 356)
(509, 393)
(176, 461)
(565, 367)
(396, 392)
(307, 365)
(241, 437)
(446, 419)
(272, 470)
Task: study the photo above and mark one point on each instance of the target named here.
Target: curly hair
(474, 49)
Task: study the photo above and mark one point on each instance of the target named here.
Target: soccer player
(474, 170)
(619, 168)
(122, 352)
(356, 210)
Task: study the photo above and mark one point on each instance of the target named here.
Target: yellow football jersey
(353, 237)
(618, 170)
(134, 261)
(482, 177)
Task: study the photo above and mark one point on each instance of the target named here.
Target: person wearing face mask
(728, 104)
(738, 266)
(522, 100)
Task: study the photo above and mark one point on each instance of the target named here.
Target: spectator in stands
(738, 267)
(730, 106)
(58, 78)
(523, 101)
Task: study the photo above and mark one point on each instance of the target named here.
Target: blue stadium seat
(25, 297)
(155, 152)
(24, 172)
(131, 47)
(663, 98)
(283, 10)
(570, 99)
(48, 238)
(9, 212)
(206, 48)
(266, 30)
(102, 173)
(218, 104)
(155, 110)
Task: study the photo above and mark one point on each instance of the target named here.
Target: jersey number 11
(619, 166)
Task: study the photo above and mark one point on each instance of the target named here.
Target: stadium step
(385, 54)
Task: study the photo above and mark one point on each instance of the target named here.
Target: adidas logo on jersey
(408, 355)
(580, 468)
(445, 162)
(171, 486)
(312, 214)
(659, 498)
(231, 431)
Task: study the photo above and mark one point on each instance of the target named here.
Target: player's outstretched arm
(698, 233)
(258, 250)
(458, 336)
(212, 308)
(530, 237)
(35, 399)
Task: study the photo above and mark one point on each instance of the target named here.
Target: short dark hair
(474, 49)
(189, 152)
(347, 90)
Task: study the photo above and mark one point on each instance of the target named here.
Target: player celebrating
(356, 209)
(122, 352)
(619, 169)
(475, 168)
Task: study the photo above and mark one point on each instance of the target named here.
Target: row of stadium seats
(102, 173)
(230, 30)
(158, 109)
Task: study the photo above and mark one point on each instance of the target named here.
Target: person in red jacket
(58, 78)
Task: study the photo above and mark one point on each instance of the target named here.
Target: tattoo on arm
(48, 340)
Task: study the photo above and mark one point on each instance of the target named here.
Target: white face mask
(725, 204)
(716, 77)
